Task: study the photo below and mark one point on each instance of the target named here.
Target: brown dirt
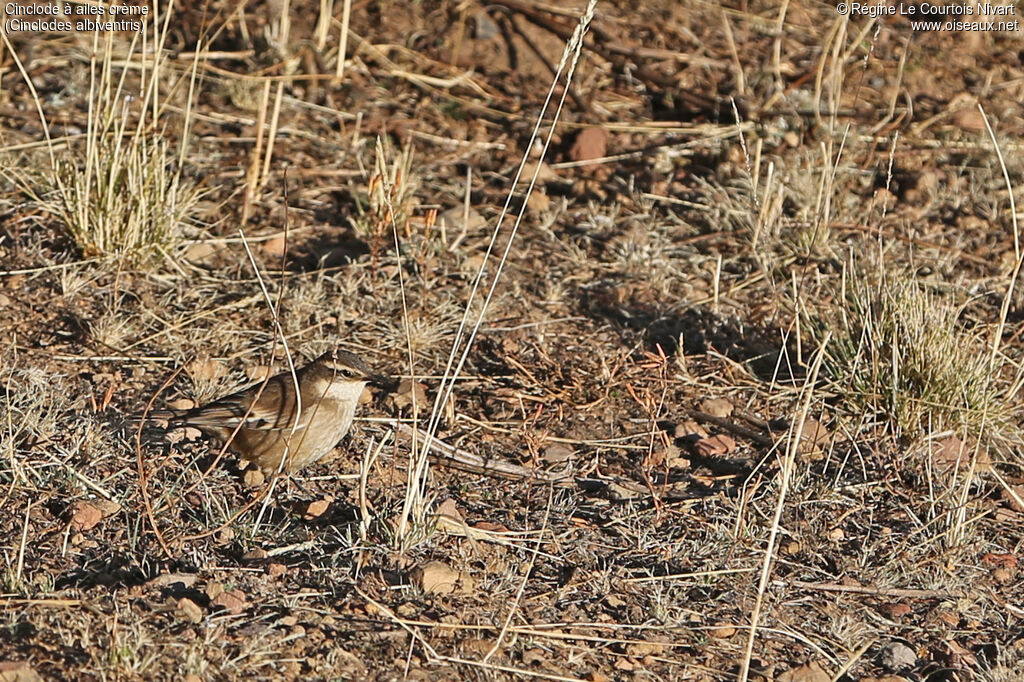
(637, 288)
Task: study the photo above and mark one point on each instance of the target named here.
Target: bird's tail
(170, 416)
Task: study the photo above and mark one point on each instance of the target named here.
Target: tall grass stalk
(120, 193)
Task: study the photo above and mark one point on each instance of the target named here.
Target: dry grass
(647, 322)
(119, 192)
(121, 201)
(902, 356)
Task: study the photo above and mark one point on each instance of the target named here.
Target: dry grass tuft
(902, 353)
(119, 193)
(391, 197)
(30, 408)
(120, 196)
(680, 234)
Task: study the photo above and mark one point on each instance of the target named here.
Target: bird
(267, 426)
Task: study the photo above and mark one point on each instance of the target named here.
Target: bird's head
(343, 366)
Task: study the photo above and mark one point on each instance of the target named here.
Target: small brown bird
(272, 425)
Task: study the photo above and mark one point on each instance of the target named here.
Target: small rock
(688, 428)
(722, 632)
(813, 437)
(435, 577)
(457, 219)
(189, 610)
(449, 508)
(897, 610)
(167, 579)
(717, 407)
(316, 508)
(928, 180)
(1003, 576)
(969, 120)
(409, 393)
(85, 516)
(884, 197)
(897, 656)
(206, 368)
(641, 649)
(557, 453)
(233, 602)
(200, 252)
(591, 143)
(545, 173)
(539, 202)
(715, 445)
(275, 246)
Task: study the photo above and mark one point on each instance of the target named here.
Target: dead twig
(897, 592)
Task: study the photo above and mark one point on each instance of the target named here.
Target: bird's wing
(273, 410)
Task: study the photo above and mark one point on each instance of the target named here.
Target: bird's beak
(382, 381)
